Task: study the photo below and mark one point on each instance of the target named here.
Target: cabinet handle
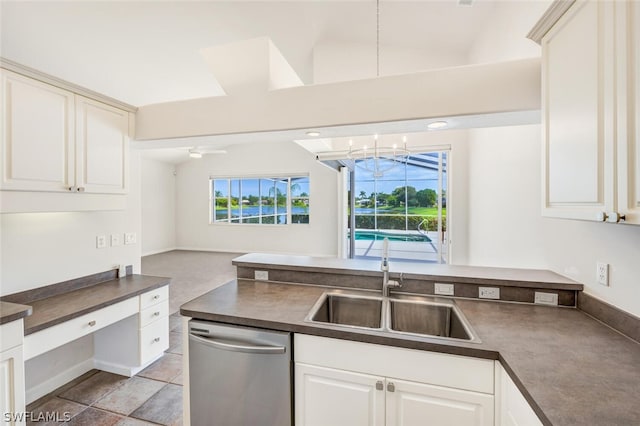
(156, 314)
(92, 323)
(391, 387)
(602, 216)
(156, 297)
(81, 189)
(379, 385)
(615, 217)
(156, 340)
(71, 188)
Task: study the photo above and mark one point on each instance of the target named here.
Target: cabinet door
(628, 23)
(578, 112)
(37, 135)
(511, 407)
(12, 386)
(102, 144)
(416, 404)
(325, 396)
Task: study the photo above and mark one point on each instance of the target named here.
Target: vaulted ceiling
(144, 52)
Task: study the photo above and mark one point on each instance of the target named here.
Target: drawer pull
(92, 323)
(156, 297)
(156, 314)
(156, 340)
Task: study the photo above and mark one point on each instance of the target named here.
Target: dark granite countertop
(13, 311)
(539, 278)
(72, 304)
(571, 368)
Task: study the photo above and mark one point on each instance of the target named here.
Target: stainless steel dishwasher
(239, 376)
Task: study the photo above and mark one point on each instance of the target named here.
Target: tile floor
(153, 396)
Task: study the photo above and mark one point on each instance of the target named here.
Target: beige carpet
(193, 273)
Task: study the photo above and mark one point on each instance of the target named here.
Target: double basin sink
(417, 316)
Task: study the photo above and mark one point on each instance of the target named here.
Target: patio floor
(403, 250)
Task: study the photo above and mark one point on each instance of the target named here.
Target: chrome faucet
(384, 267)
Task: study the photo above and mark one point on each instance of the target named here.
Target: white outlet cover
(115, 240)
(444, 289)
(101, 241)
(130, 238)
(602, 273)
(261, 275)
(543, 298)
(489, 293)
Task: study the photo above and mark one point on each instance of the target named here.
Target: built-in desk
(128, 318)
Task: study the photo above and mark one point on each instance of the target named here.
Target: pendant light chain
(377, 38)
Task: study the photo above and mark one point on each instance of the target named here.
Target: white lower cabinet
(512, 409)
(326, 396)
(411, 403)
(12, 396)
(347, 383)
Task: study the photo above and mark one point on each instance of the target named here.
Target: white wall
(342, 61)
(45, 248)
(278, 159)
(505, 223)
(158, 207)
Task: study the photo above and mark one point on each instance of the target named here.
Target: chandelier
(378, 160)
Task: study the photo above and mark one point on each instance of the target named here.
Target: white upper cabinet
(56, 141)
(629, 110)
(102, 147)
(37, 135)
(589, 154)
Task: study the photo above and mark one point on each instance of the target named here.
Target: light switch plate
(115, 240)
(444, 289)
(489, 292)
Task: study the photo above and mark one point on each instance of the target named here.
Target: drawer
(154, 339)
(60, 334)
(152, 313)
(11, 335)
(154, 297)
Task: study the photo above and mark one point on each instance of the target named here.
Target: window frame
(275, 177)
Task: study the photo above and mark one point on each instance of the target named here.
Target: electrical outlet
(115, 240)
(261, 275)
(130, 238)
(444, 289)
(489, 293)
(546, 298)
(602, 273)
(101, 241)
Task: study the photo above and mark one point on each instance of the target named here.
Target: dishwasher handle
(251, 349)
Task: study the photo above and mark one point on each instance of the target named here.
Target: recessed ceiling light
(313, 133)
(437, 125)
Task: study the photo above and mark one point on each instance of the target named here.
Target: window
(265, 200)
(407, 205)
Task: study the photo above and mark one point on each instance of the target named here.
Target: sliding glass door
(406, 204)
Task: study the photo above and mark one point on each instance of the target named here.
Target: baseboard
(55, 382)
(287, 253)
(120, 369)
(152, 252)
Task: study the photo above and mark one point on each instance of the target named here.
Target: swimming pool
(392, 236)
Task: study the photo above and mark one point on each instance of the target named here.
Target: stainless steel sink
(348, 310)
(411, 315)
(441, 319)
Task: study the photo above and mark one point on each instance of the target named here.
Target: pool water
(380, 235)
